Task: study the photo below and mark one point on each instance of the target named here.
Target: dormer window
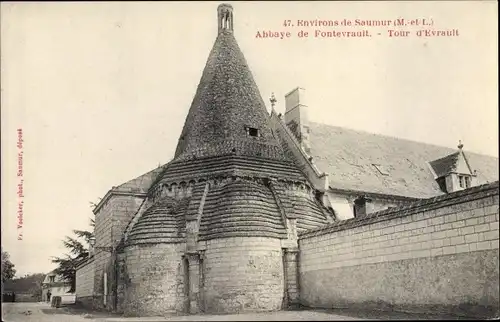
(360, 206)
(453, 172)
(464, 181)
(251, 131)
(52, 279)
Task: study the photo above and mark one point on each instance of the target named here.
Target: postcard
(163, 158)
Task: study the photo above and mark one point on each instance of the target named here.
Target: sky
(101, 90)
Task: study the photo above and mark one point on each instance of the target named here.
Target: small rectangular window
(461, 181)
(467, 182)
(251, 131)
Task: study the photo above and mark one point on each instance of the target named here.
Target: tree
(8, 270)
(78, 252)
(36, 290)
(28, 284)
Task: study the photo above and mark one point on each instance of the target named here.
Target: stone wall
(242, 274)
(85, 283)
(110, 223)
(152, 280)
(436, 254)
(376, 204)
(26, 297)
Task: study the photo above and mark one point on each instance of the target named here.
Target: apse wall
(152, 280)
(242, 274)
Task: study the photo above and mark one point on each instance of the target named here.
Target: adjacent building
(363, 172)
(57, 286)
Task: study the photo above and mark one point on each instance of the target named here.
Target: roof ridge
(467, 161)
(160, 168)
(398, 138)
(445, 157)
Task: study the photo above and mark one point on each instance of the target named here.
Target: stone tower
(218, 229)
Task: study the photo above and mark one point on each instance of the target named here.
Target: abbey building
(217, 229)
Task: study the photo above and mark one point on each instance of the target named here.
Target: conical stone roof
(229, 168)
(227, 114)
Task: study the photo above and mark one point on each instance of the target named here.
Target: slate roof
(57, 278)
(241, 208)
(230, 165)
(163, 222)
(445, 165)
(348, 156)
(142, 182)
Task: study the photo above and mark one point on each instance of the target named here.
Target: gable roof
(57, 278)
(353, 160)
(445, 165)
(142, 183)
(139, 185)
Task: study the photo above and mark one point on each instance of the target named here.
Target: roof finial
(272, 100)
(225, 17)
(460, 145)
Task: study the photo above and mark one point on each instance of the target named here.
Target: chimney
(225, 18)
(91, 246)
(296, 116)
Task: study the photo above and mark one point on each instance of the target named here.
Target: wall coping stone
(372, 194)
(474, 193)
(83, 263)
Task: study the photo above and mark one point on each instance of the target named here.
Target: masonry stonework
(110, 223)
(445, 257)
(291, 262)
(242, 219)
(153, 280)
(243, 274)
(85, 283)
